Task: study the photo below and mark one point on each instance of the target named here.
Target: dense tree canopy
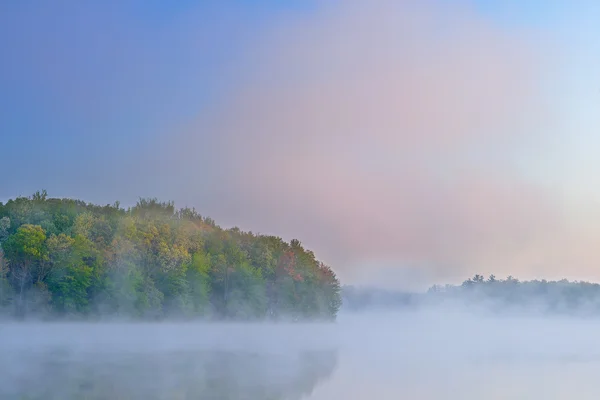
(64, 257)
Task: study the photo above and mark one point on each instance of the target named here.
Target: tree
(4, 229)
(5, 288)
(59, 252)
(197, 276)
(25, 251)
(40, 196)
(331, 291)
(68, 272)
(153, 261)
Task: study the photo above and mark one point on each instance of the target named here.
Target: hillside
(66, 258)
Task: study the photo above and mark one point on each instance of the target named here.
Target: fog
(163, 361)
(426, 354)
(456, 355)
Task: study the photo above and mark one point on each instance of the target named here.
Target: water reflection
(64, 371)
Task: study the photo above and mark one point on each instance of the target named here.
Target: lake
(368, 356)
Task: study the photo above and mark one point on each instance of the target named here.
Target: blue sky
(89, 82)
(84, 86)
(110, 100)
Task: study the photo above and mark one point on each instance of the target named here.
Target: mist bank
(164, 361)
(382, 355)
(508, 296)
(67, 259)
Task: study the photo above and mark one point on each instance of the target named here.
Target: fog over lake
(419, 355)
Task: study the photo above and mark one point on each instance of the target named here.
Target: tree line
(511, 294)
(489, 294)
(68, 258)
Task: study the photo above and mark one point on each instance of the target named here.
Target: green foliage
(152, 261)
(69, 288)
(4, 228)
(5, 288)
(26, 245)
(198, 280)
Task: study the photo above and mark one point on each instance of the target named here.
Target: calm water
(362, 357)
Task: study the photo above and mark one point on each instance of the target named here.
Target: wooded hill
(68, 258)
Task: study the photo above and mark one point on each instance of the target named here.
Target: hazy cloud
(386, 133)
(401, 140)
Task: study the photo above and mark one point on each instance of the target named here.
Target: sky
(405, 142)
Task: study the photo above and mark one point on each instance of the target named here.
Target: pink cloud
(386, 131)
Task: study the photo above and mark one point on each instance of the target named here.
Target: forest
(544, 297)
(65, 258)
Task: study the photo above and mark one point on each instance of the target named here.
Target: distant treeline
(491, 294)
(67, 258)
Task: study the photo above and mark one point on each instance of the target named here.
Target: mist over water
(455, 355)
(162, 361)
(387, 142)
(384, 355)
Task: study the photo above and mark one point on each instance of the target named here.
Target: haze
(404, 143)
(385, 355)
